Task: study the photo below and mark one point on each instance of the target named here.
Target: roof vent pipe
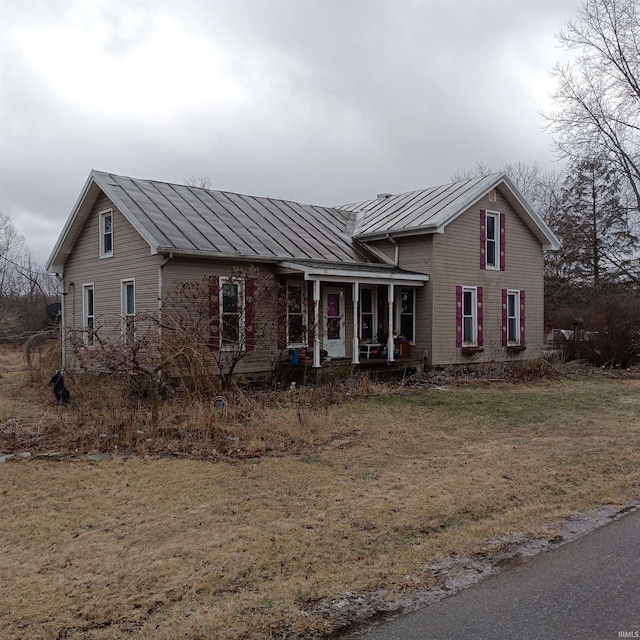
(384, 196)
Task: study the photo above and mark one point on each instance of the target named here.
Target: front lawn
(147, 546)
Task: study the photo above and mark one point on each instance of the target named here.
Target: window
(513, 319)
(128, 306)
(296, 314)
(367, 314)
(407, 315)
(88, 314)
(492, 242)
(106, 234)
(231, 313)
(469, 316)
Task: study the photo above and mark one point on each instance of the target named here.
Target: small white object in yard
(292, 386)
(149, 440)
(102, 435)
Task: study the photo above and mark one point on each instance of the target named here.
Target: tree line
(25, 288)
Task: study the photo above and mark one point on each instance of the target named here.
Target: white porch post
(316, 323)
(390, 344)
(356, 325)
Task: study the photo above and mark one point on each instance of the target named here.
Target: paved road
(588, 590)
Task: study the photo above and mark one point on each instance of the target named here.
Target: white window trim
(304, 313)
(123, 306)
(374, 311)
(474, 316)
(399, 311)
(496, 254)
(103, 215)
(516, 293)
(232, 346)
(88, 340)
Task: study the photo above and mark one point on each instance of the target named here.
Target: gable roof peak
(431, 209)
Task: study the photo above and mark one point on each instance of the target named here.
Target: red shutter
(502, 241)
(214, 312)
(249, 314)
(312, 316)
(522, 318)
(479, 294)
(505, 318)
(483, 239)
(458, 316)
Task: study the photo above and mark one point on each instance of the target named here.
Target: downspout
(63, 326)
(161, 291)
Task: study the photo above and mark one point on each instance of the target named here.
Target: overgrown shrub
(612, 332)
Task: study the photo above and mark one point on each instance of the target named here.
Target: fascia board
(315, 272)
(359, 277)
(383, 235)
(124, 210)
(197, 253)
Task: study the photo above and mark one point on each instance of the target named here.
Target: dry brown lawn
(158, 547)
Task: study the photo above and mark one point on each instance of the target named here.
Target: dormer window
(106, 234)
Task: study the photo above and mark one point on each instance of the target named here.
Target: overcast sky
(324, 102)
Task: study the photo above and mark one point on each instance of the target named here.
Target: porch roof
(370, 273)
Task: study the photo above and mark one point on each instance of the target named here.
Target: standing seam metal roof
(197, 219)
(425, 208)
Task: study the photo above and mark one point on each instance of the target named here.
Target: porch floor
(342, 368)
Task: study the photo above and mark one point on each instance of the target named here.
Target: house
(452, 273)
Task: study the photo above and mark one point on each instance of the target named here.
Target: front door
(333, 305)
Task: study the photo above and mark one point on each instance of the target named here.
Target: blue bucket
(294, 356)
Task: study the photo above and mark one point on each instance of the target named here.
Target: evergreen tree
(593, 226)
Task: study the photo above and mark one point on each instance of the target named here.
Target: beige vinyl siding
(415, 254)
(385, 247)
(456, 261)
(131, 259)
(180, 270)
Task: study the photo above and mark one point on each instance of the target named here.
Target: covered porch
(354, 313)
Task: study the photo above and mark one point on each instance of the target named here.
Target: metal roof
(194, 221)
(430, 210)
(197, 221)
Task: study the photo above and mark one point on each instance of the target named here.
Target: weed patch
(314, 504)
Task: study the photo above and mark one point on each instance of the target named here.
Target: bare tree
(540, 187)
(218, 323)
(597, 98)
(204, 182)
(25, 289)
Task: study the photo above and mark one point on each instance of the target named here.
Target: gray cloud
(324, 102)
